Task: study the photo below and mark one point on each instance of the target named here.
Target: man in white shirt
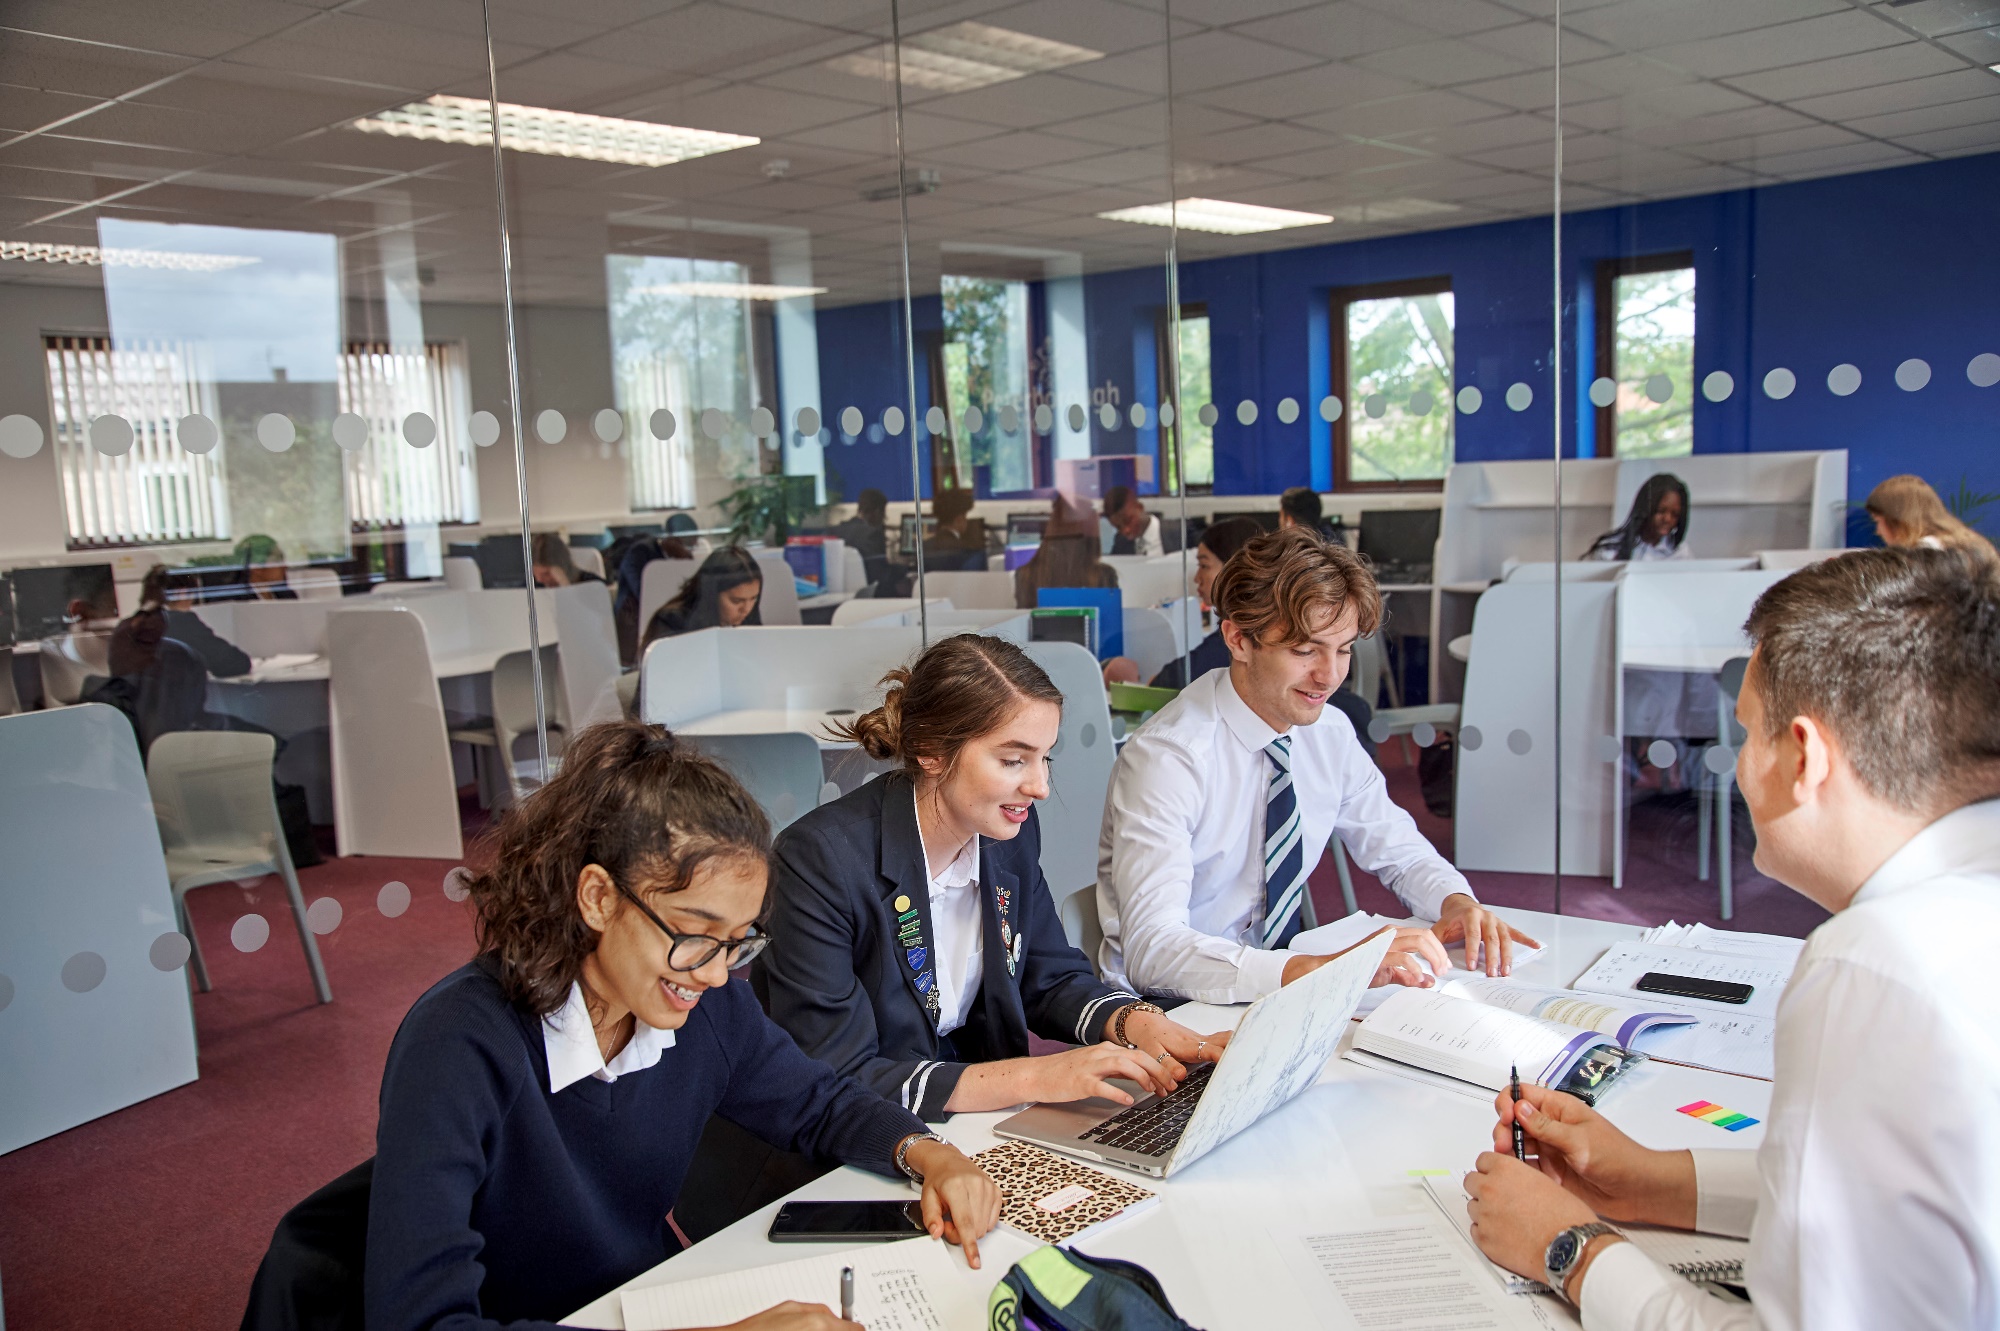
(1134, 530)
(1871, 770)
(1220, 807)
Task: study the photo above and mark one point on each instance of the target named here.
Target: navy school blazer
(838, 974)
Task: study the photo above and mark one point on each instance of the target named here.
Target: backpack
(1054, 1289)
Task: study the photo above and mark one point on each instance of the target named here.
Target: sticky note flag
(1727, 1119)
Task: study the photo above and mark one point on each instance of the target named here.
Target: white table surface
(448, 665)
(1342, 1155)
(767, 721)
(825, 599)
(1687, 660)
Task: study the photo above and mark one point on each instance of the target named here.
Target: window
(1392, 371)
(1196, 439)
(1644, 390)
(389, 482)
(155, 491)
(981, 370)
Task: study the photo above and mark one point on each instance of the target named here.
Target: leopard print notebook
(1057, 1200)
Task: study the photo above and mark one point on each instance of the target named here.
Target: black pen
(1520, 1141)
(846, 1293)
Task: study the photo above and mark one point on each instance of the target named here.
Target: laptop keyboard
(1153, 1128)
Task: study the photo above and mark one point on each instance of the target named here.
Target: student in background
(1138, 532)
(915, 942)
(1907, 512)
(555, 566)
(631, 561)
(1871, 770)
(1656, 528)
(1070, 555)
(1190, 903)
(540, 1105)
(722, 593)
(954, 546)
(263, 561)
(1300, 507)
(867, 532)
(164, 614)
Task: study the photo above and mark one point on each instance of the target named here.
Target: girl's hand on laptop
(1081, 1073)
(1158, 1035)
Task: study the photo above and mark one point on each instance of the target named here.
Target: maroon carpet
(156, 1216)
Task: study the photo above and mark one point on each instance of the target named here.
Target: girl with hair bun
(915, 942)
(541, 1105)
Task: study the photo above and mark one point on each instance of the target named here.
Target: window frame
(1339, 299)
(1166, 360)
(1605, 343)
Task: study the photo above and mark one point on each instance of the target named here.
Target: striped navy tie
(1284, 849)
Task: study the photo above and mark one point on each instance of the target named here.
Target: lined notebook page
(914, 1285)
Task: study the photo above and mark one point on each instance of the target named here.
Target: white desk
(1337, 1157)
(1682, 660)
(769, 721)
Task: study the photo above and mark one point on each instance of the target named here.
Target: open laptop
(1280, 1048)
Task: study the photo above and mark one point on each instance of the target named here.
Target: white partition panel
(1740, 503)
(1072, 817)
(393, 792)
(89, 1022)
(885, 611)
(973, 591)
(1500, 511)
(1149, 640)
(1152, 579)
(779, 605)
(745, 680)
(659, 582)
(583, 625)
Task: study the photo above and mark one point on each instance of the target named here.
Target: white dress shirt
(957, 934)
(1148, 542)
(571, 1046)
(1644, 551)
(1180, 863)
(1876, 1192)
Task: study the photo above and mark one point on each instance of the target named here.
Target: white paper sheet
(1408, 1277)
(1741, 1044)
(1623, 964)
(915, 1285)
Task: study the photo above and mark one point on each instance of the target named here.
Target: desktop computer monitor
(1265, 518)
(500, 562)
(42, 597)
(630, 530)
(1401, 539)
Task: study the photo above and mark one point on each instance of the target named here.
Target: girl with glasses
(540, 1105)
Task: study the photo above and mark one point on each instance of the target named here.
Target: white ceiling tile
(1249, 144)
(746, 108)
(1453, 18)
(1893, 64)
(1793, 43)
(707, 37)
(207, 28)
(1715, 128)
(1936, 90)
(1951, 115)
(1934, 18)
(1235, 13)
(1640, 25)
(1095, 25)
(1395, 117)
(1443, 62)
(1013, 152)
(1338, 32)
(1307, 92)
(1981, 46)
(1038, 100)
(1862, 156)
(1469, 141)
(1983, 137)
(1535, 44)
(1218, 59)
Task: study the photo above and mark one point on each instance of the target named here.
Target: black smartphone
(1686, 986)
(849, 1222)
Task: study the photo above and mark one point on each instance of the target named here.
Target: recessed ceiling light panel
(536, 129)
(730, 290)
(963, 56)
(1218, 215)
(90, 256)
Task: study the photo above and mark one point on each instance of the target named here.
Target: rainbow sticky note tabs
(1726, 1119)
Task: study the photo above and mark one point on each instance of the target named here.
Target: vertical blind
(661, 471)
(390, 482)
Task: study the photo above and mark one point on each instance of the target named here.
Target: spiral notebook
(1702, 1258)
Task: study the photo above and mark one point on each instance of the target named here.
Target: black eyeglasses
(691, 952)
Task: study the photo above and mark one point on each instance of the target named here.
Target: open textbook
(1478, 1030)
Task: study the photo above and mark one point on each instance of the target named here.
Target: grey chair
(1716, 788)
(1369, 673)
(514, 717)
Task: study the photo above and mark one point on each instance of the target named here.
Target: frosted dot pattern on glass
(249, 933)
(1519, 742)
(829, 791)
(1246, 412)
(1107, 416)
(6, 992)
(323, 916)
(1330, 409)
(419, 430)
(1138, 415)
(393, 899)
(1718, 759)
(1288, 410)
(1167, 415)
(1779, 383)
(1603, 391)
(1420, 403)
(892, 420)
(714, 424)
(550, 427)
(1606, 748)
(276, 432)
(350, 432)
(608, 426)
(1843, 379)
(934, 420)
(1379, 730)
(1470, 738)
(1075, 416)
(1717, 385)
(1520, 397)
(1088, 735)
(1010, 420)
(1209, 413)
(485, 428)
(1662, 753)
(1659, 388)
(975, 420)
(111, 436)
(1983, 370)
(20, 436)
(1375, 406)
(1913, 374)
(850, 420)
(808, 421)
(762, 422)
(662, 424)
(83, 972)
(197, 433)
(1470, 400)
(458, 884)
(1424, 733)
(1045, 418)
(169, 952)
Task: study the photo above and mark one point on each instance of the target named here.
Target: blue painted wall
(1869, 269)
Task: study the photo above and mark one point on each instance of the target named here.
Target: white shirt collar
(1962, 838)
(1250, 729)
(571, 1046)
(963, 869)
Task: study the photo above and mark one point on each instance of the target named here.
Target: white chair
(589, 638)
(1369, 667)
(403, 588)
(587, 558)
(393, 790)
(461, 574)
(68, 661)
(1716, 792)
(659, 583)
(514, 719)
(1073, 815)
(783, 771)
(779, 604)
(219, 823)
(314, 584)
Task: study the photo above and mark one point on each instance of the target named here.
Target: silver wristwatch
(1566, 1250)
(903, 1152)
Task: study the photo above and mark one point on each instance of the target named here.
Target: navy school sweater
(496, 1203)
